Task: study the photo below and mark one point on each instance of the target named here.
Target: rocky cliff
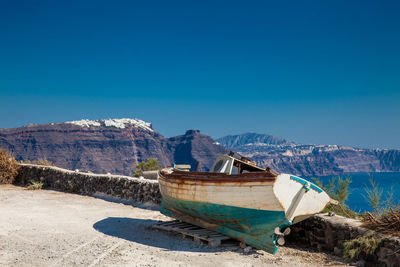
(107, 146)
(116, 145)
(193, 147)
(310, 160)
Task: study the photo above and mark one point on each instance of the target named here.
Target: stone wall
(118, 186)
(322, 232)
(329, 233)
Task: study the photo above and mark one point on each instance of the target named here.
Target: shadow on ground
(141, 205)
(138, 231)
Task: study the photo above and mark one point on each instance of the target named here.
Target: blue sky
(310, 71)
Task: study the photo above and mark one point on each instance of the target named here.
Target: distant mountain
(193, 147)
(112, 145)
(116, 145)
(311, 160)
(238, 141)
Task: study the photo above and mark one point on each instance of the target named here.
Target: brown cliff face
(115, 146)
(106, 146)
(193, 147)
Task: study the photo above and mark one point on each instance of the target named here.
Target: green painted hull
(254, 227)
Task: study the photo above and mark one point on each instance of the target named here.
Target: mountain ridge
(115, 145)
(310, 159)
(233, 141)
(107, 146)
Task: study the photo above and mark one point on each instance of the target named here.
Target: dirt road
(49, 228)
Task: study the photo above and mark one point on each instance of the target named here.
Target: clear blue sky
(323, 72)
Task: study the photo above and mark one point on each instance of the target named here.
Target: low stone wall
(118, 186)
(322, 232)
(329, 233)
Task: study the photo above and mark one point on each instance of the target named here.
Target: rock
(247, 249)
(337, 251)
(360, 263)
(101, 147)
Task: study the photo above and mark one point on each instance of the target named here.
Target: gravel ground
(50, 228)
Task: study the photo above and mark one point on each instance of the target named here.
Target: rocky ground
(50, 228)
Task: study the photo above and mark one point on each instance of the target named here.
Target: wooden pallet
(199, 234)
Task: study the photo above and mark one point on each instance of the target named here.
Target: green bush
(35, 186)
(8, 167)
(363, 244)
(338, 189)
(375, 198)
(151, 164)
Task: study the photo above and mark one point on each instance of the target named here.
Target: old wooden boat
(238, 199)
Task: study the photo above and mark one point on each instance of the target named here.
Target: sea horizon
(386, 181)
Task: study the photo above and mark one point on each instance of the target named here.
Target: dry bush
(388, 221)
(8, 167)
(44, 162)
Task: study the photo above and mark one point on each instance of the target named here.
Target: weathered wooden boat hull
(253, 227)
(246, 207)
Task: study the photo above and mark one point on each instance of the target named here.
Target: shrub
(362, 245)
(151, 164)
(8, 167)
(385, 216)
(338, 189)
(42, 161)
(374, 197)
(35, 186)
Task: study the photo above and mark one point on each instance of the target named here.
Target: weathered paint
(252, 226)
(250, 194)
(304, 182)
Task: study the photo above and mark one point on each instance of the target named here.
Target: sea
(387, 182)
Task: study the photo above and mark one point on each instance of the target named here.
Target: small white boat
(241, 200)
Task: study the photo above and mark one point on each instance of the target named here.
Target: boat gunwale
(215, 177)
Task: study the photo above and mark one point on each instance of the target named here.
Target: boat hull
(245, 209)
(251, 226)
(248, 207)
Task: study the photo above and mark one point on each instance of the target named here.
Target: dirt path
(49, 228)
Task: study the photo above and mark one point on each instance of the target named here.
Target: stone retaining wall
(123, 187)
(323, 232)
(329, 233)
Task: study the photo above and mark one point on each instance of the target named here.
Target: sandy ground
(50, 228)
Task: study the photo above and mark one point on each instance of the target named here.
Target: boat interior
(230, 167)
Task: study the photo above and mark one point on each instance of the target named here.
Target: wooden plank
(168, 223)
(202, 231)
(198, 234)
(178, 225)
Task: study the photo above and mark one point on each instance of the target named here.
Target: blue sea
(387, 181)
